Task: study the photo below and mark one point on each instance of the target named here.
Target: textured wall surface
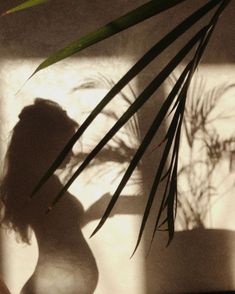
(77, 84)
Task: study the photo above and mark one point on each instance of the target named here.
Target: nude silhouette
(66, 263)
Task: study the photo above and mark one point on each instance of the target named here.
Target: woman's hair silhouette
(36, 139)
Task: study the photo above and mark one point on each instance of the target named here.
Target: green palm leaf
(25, 5)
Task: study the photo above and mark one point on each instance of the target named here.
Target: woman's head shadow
(43, 129)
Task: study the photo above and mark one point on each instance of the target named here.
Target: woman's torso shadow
(66, 263)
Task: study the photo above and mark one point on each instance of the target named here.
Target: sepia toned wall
(77, 84)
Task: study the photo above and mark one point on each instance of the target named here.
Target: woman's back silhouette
(65, 263)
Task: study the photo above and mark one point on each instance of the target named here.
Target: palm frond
(147, 58)
(137, 104)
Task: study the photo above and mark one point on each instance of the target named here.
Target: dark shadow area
(41, 30)
(197, 261)
(60, 23)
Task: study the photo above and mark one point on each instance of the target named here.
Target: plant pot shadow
(197, 261)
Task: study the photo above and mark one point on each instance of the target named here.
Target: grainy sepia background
(77, 84)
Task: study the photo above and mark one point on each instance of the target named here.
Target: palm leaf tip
(24, 5)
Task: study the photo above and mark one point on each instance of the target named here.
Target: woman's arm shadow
(125, 205)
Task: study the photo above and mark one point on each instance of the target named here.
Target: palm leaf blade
(25, 5)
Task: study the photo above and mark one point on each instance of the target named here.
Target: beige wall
(27, 38)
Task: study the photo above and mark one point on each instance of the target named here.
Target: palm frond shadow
(122, 147)
(199, 192)
(173, 107)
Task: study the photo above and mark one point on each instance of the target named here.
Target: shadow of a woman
(66, 263)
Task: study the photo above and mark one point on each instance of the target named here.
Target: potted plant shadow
(200, 258)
